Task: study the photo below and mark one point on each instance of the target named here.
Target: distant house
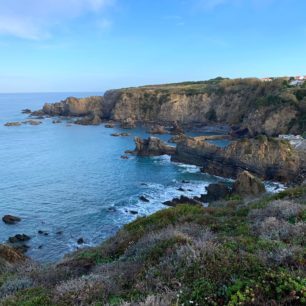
(266, 79)
(298, 80)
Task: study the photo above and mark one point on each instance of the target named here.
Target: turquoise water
(72, 179)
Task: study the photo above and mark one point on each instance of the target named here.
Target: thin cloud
(210, 5)
(34, 19)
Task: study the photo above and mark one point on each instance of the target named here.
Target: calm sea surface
(71, 179)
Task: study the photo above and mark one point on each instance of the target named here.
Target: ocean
(70, 182)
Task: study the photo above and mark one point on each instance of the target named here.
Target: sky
(94, 45)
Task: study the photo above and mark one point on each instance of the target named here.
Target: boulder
(56, 121)
(248, 184)
(38, 113)
(110, 125)
(152, 147)
(80, 241)
(144, 199)
(26, 111)
(32, 122)
(13, 124)
(133, 212)
(158, 129)
(10, 255)
(9, 219)
(19, 238)
(177, 138)
(120, 134)
(176, 129)
(182, 200)
(215, 192)
(89, 120)
(128, 123)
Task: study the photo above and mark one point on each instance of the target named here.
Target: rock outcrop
(120, 134)
(158, 130)
(252, 107)
(152, 147)
(75, 107)
(19, 238)
(10, 255)
(177, 138)
(266, 158)
(182, 200)
(15, 123)
(176, 129)
(128, 123)
(92, 119)
(215, 192)
(248, 184)
(9, 219)
(26, 111)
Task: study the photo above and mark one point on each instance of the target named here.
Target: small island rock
(9, 219)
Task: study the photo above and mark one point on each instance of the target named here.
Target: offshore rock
(152, 146)
(248, 184)
(128, 123)
(110, 125)
(158, 129)
(182, 200)
(32, 122)
(19, 238)
(176, 129)
(13, 123)
(93, 119)
(120, 134)
(270, 159)
(177, 138)
(9, 219)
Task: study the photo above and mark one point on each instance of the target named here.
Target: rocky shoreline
(249, 106)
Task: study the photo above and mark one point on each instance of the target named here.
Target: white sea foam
(158, 193)
(274, 187)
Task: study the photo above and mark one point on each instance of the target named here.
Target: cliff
(249, 105)
(75, 107)
(268, 158)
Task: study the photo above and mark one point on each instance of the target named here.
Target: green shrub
(278, 287)
(29, 297)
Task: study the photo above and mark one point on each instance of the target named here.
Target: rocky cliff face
(75, 107)
(269, 159)
(253, 106)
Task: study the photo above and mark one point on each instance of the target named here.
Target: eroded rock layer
(250, 106)
(267, 158)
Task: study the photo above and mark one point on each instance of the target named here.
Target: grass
(182, 254)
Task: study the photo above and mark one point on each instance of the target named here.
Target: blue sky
(93, 45)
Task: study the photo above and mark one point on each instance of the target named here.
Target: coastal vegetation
(234, 252)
